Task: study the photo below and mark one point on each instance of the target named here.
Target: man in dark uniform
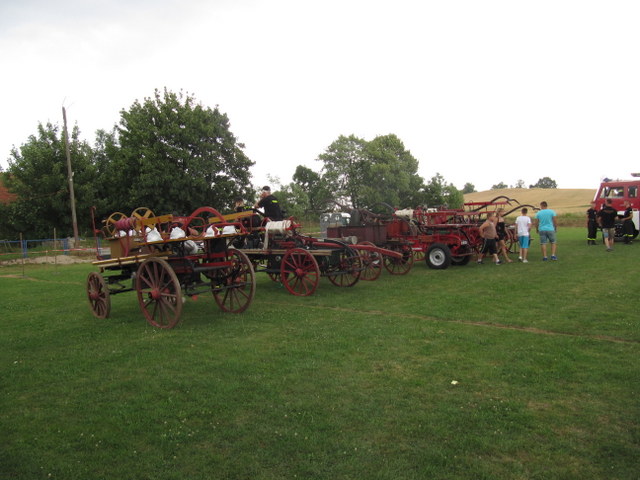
(270, 204)
(592, 224)
(627, 223)
(607, 220)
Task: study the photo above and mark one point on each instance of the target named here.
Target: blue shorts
(524, 241)
(547, 236)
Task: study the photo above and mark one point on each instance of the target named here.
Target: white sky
(479, 91)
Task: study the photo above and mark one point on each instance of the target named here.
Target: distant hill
(562, 200)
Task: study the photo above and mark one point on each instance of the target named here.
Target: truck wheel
(438, 256)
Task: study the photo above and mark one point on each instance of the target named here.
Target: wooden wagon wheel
(475, 240)
(159, 293)
(98, 295)
(141, 213)
(511, 241)
(110, 223)
(235, 286)
(299, 272)
(399, 266)
(371, 263)
(347, 269)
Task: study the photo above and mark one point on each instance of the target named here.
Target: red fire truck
(621, 191)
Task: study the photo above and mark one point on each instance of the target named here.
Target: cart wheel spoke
(345, 272)
(299, 272)
(98, 295)
(235, 286)
(399, 266)
(371, 263)
(159, 293)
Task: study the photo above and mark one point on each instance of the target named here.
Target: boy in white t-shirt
(523, 226)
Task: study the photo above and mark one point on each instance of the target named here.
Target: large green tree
(391, 174)
(317, 195)
(438, 193)
(343, 169)
(38, 175)
(364, 174)
(172, 154)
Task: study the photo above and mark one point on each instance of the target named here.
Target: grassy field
(477, 372)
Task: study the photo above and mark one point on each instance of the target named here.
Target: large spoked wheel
(98, 295)
(438, 256)
(511, 241)
(141, 213)
(159, 293)
(235, 286)
(299, 272)
(399, 266)
(475, 240)
(346, 267)
(371, 263)
(110, 224)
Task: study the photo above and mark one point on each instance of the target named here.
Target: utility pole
(74, 220)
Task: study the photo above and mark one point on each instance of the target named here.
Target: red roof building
(5, 195)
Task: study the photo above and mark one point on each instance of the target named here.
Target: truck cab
(621, 191)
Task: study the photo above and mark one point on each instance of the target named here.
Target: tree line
(172, 154)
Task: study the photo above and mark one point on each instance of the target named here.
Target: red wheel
(98, 295)
(235, 286)
(399, 266)
(475, 240)
(371, 263)
(299, 272)
(345, 267)
(159, 293)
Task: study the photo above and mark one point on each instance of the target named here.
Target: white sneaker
(525, 261)
(520, 259)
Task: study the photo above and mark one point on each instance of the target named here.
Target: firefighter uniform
(627, 225)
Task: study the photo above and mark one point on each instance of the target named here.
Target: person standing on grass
(547, 226)
(501, 229)
(592, 224)
(523, 227)
(607, 220)
(627, 223)
(489, 239)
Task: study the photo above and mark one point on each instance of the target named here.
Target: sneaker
(544, 259)
(498, 262)
(553, 257)
(479, 262)
(519, 259)
(609, 249)
(525, 261)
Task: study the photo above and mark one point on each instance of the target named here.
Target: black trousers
(592, 230)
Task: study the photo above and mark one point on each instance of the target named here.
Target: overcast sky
(478, 91)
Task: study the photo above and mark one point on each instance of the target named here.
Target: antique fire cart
(441, 236)
(279, 249)
(168, 258)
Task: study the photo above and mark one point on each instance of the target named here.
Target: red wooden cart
(148, 254)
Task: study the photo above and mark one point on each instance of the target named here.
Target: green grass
(350, 383)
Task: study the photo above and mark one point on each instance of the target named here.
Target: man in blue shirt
(546, 226)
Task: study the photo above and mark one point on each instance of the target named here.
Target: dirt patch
(51, 259)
